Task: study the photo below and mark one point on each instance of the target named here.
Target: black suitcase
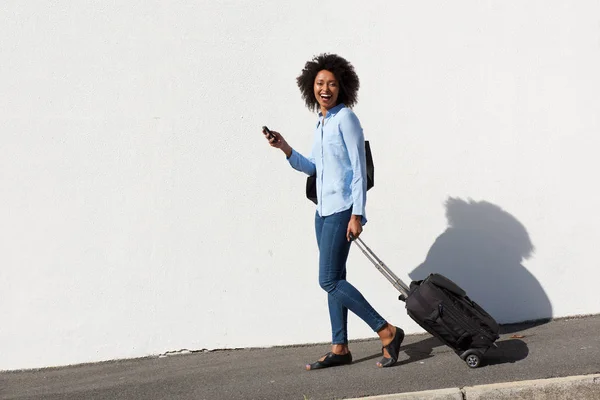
(444, 310)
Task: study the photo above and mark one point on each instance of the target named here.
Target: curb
(572, 387)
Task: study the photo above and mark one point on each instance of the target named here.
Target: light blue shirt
(338, 157)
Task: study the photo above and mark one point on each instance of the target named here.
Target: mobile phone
(269, 133)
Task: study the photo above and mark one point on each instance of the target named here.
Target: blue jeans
(341, 295)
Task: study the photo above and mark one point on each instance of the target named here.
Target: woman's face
(327, 89)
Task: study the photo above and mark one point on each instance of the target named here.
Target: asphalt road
(558, 348)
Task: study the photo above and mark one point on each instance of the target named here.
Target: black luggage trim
(445, 283)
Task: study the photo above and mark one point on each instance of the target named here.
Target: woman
(329, 85)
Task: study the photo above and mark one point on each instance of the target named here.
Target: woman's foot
(391, 339)
(339, 355)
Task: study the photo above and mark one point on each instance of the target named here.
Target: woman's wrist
(288, 151)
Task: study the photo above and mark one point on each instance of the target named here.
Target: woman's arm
(355, 144)
(301, 163)
(296, 160)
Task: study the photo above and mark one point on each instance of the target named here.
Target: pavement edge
(571, 387)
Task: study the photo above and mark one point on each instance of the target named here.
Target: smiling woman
(327, 90)
(342, 71)
(329, 85)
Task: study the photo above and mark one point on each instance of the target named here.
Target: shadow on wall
(482, 250)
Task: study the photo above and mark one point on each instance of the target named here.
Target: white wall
(142, 212)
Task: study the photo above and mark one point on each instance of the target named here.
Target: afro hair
(343, 71)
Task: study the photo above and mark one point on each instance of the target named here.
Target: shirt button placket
(322, 172)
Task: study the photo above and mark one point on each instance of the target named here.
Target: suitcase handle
(380, 265)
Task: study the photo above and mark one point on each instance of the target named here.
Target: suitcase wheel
(472, 358)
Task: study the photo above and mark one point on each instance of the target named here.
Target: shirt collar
(330, 113)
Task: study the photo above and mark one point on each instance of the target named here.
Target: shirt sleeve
(354, 139)
(302, 164)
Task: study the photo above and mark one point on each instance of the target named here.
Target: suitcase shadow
(508, 351)
(482, 250)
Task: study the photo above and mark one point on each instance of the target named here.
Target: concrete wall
(142, 212)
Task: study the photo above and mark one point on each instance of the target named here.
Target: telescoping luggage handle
(380, 265)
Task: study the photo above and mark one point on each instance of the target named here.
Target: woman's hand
(354, 227)
(279, 142)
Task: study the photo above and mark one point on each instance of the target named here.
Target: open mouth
(325, 97)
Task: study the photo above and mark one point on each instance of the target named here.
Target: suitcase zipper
(467, 323)
(442, 321)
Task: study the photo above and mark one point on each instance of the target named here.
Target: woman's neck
(325, 110)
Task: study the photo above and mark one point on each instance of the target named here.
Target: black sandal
(331, 360)
(393, 349)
